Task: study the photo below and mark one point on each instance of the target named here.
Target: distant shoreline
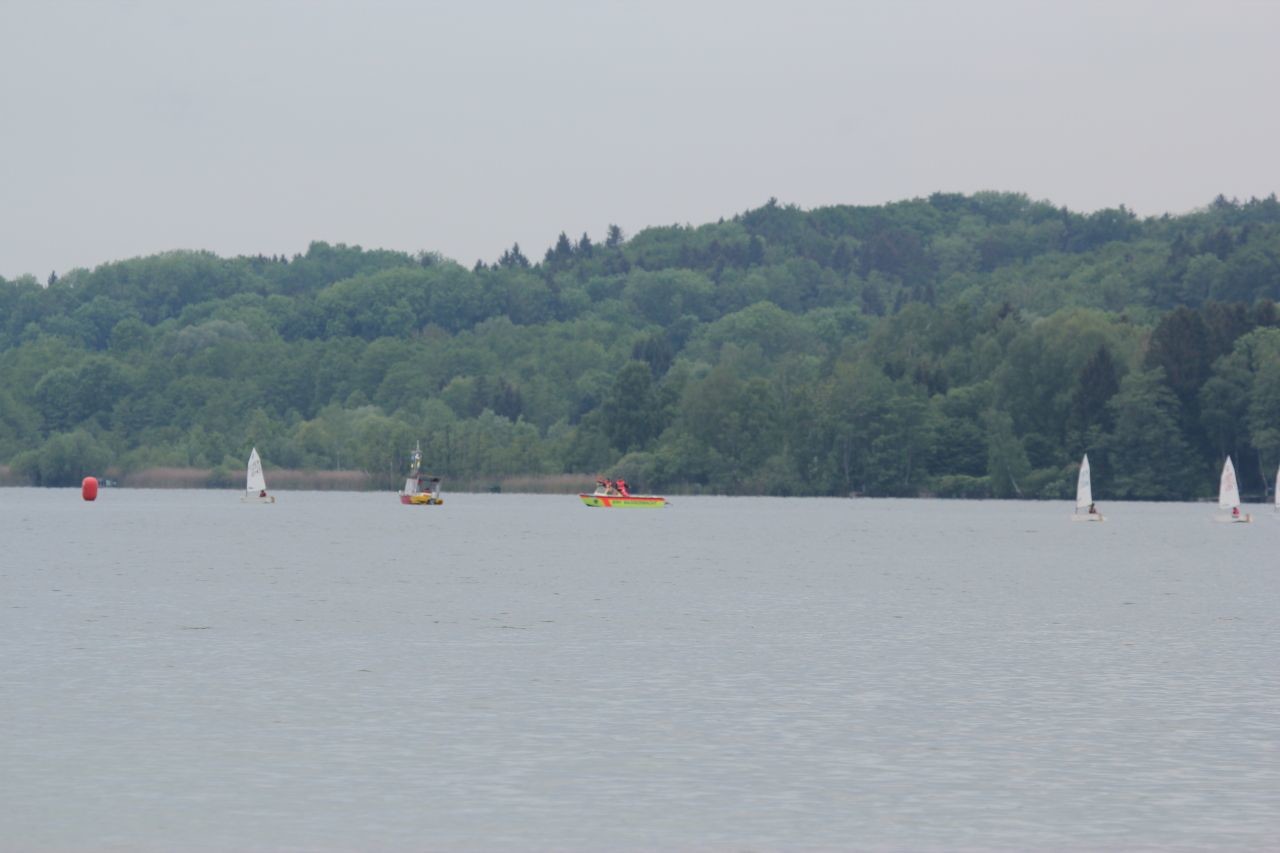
(291, 480)
(300, 480)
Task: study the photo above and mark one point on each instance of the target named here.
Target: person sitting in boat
(262, 494)
(1235, 512)
(622, 488)
(1093, 510)
(611, 488)
(602, 487)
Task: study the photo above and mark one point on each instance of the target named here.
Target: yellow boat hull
(619, 502)
(420, 500)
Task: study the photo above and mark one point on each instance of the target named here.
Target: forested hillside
(955, 345)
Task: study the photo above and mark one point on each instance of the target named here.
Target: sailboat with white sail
(255, 485)
(1085, 509)
(1229, 496)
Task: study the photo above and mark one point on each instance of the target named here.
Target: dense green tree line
(955, 345)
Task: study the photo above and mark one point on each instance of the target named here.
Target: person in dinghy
(255, 485)
(1086, 509)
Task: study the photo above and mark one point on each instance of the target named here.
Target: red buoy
(89, 488)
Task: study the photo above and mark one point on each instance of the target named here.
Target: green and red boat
(615, 494)
(621, 502)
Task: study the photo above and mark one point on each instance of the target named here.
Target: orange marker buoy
(89, 488)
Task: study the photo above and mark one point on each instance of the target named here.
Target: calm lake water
(339, 672)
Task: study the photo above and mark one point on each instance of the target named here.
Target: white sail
(1228, 491)
(255, 483)
(1084, 489)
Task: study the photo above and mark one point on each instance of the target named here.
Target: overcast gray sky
(129, 128)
